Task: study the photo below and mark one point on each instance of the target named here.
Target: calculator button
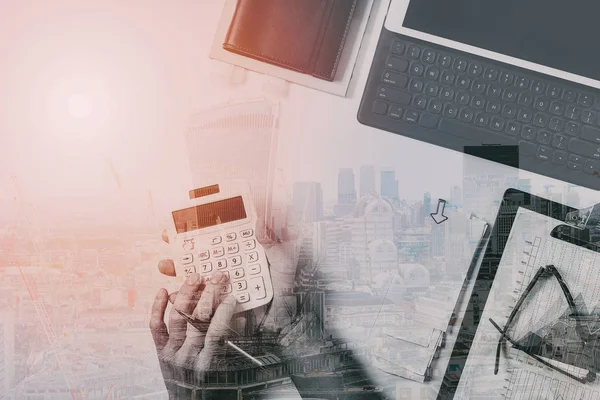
(216, 240)
(250, 244)
(203, 255)
(221, 264)
(217, 252)
(190, 269)
(246, 233)
(230, 236)
(187, 259)
(257, 287)
(240, 285)
(226, 289)
(236, 260)
(254, 269)
(252, 257)
(242, 297)
(238, 273)
(233, 248)
(206, 267)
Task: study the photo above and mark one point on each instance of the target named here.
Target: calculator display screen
(555, 33)
(210, 214)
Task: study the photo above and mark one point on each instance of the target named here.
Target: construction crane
(35, 236)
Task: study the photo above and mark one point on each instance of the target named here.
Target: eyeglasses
(586, 338)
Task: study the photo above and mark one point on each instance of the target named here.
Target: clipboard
(512, 201)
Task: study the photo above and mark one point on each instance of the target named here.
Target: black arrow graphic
(439, 216)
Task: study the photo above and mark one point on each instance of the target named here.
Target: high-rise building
(7, 351)
(426, 205)
(346, 192)
(367, 180)
(389, 184)
(308, 201)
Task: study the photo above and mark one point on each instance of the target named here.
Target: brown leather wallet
(302, 35)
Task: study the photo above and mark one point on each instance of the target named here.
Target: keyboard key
(448, 77)
(478, 103)
(203, 255)
(233, 248)
(414, 52)
(544, 153)
(252, 257)
(573, 112)
(497, 124)
(473, 133)
(450, 111)
(491, 74)
(574, 166)
(527, 148)
(235, 261)
(428, 56)
(395, 112)
(494, 90)
(525, 99)
(240, 285)
(576, 159)
(466, 115)
(507, 78)
(572, 128)
(187, 259)
(541, 120)
(420, 102)
(257, 286)
(586, 100)
(217, 252)
(205, 268)
(435, 106)
(510, 95)
(429, 121)
(522, 82)
(460, 65)
(541, 103)
(588, 117)
(432, 89)
(397, 64)
(246, 233)
(463, 98)
(237, 273)
(553, 91)
(569, 95)
(447, 94)
(398, 48)
(591, 134)
(394, 79)
(394, 95)
(478, 87)
(559, 158)
(513, 128)
(379, 107)
(494, 107)
(591, 167)
(544, 137)
(482, 119)
(556, 124)
(538, 87)
(524, 116)
(221, 264)
(557, 108)
(584, 148)
(254, 269)
(475, 70)
(411, 116)
(509, 111)
(432, 73)
(416, 86)
(230, 236)
(528, 132)
(417, 69)
(463, 82)
(242, 297)
(444, 61)
(218, 239)
(560, 142)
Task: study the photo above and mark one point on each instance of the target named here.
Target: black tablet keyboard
(455, 99)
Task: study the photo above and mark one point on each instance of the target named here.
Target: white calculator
(218, 234)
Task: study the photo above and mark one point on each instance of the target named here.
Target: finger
(239, 325)
(186, 301)
(158, 328)
(219, 327)
(167, 267)
(172, 297)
